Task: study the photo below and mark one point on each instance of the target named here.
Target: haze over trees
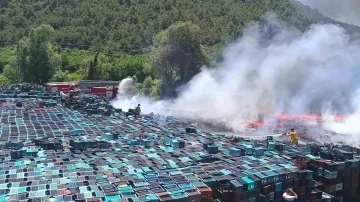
(160, 43)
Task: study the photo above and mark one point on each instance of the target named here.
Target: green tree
(21, 60)
(147, 86)
(95, 66)
(12, 74)
(178, 55)
(60, 76)
(6, 55)
(43, 58)
(92, 72)
(36, 59)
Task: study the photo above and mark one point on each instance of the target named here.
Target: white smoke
(126, 88)
(341, 10)
(350, 126)
(273, 69)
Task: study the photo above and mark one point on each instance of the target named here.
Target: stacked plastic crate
(351, 179)
(330, 176)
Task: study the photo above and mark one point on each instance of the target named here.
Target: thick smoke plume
(274, 69)
(342, 10)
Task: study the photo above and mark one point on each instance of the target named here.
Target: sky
(347, 11)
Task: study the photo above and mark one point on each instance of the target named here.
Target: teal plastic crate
(250, 183)
(174, 143)
(114, 198)
(234, 151)
(147, 143)
(339, 187)
(249, 150)
(134, 199)
(320, 171)
(263, 178)
(258, 151)
(151, 198)
(108, 136)
(271, 145)
(330, 175)
(212, 149)
(278, 186)
(309, 174)
(180, 197)
(272, 176)
(354, 163)
(209, 181)
(133, 142)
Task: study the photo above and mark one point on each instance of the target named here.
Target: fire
(299, 119)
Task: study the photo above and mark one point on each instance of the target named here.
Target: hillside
(141, 38)
(129, 25)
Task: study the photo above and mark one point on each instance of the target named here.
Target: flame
(302, 119)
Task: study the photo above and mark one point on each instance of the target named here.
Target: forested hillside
(129, 25)
(156, 41)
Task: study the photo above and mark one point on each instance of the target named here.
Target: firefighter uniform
(294, 138)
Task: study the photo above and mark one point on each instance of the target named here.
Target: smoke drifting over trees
(273, 69)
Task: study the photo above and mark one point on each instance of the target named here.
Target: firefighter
(294, 137)
(137, 110)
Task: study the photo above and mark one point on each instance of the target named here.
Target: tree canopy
(128, 26)
(178, 55)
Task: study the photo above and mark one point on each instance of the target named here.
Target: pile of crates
(339, 180)
(70, 155)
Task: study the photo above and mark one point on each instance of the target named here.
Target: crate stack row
(339, 180)
(30, 95)
(20, 124)
(119, 158)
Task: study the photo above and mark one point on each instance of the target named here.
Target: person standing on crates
(290, 195)
(63, 97)
(71, 94)
(294, 137)
(137, 111)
